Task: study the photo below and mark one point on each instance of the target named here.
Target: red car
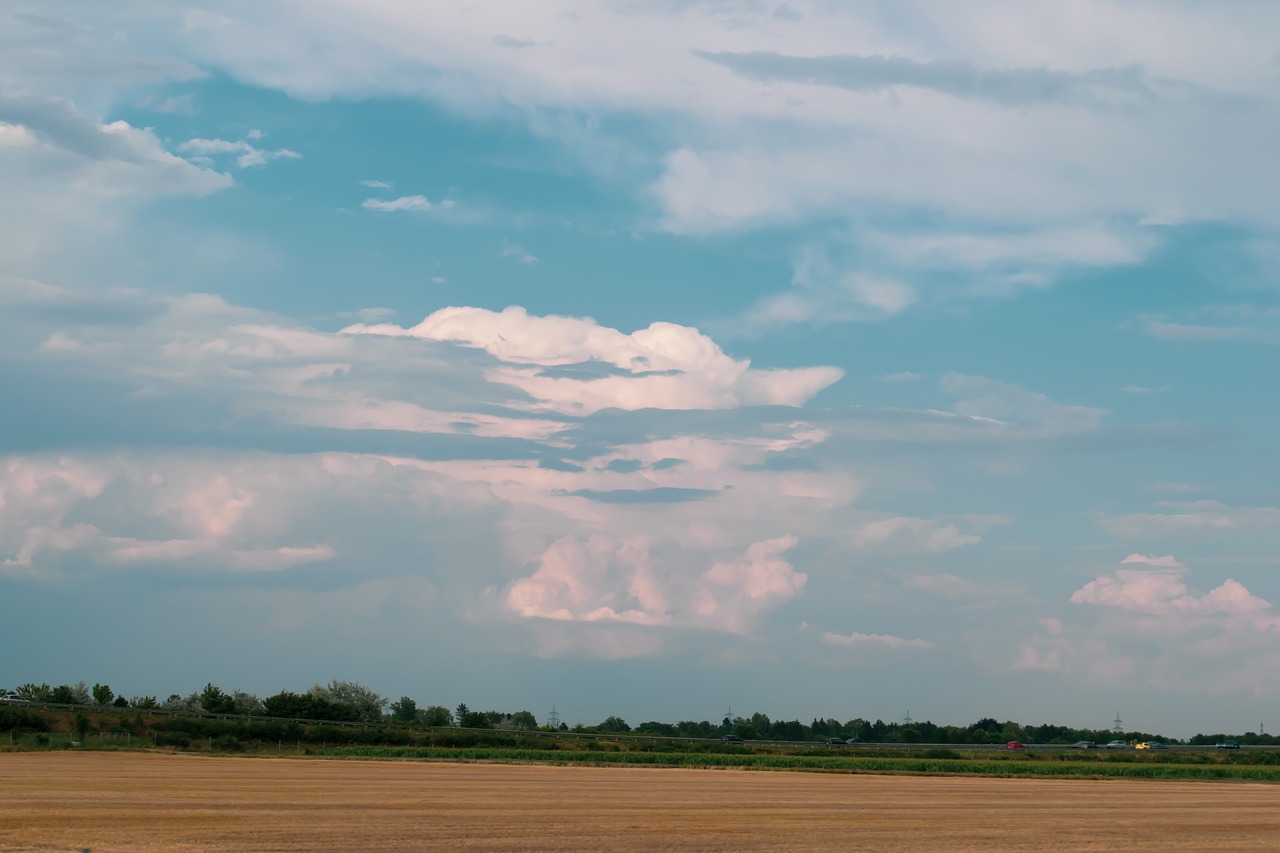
(1013, 744)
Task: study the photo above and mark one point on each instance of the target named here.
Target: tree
(102, 694)
(147, 702)
(436, 715)
(523, 720)
(404, 710)
(35, 692)
(80, 692)
(62, 695)
(246, 704)
(120, 702)
(214, 701)
(461, 712)
(614, 725)
(366, 704)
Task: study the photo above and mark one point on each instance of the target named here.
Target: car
(835, 741)
(1083, 744)
(731, 739)
(1117, 744)
(13, 699)
(1149, 744)
(1228, 744)
(1013, 744)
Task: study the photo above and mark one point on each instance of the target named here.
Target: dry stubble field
(132, 801)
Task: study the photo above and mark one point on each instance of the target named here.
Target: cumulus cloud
(665, 365)
(600, 580)
(1165, 593)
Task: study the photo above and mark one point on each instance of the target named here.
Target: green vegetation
(970, 766)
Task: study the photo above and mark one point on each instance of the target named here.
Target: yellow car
(1149, 744)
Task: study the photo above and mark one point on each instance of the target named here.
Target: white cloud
(1005, 403)
(1163, 593)
(876, 641)
(600, 580)
(515, 250)
(1204, 517)
(913, 534)
(247, 156)
(900, 376)
(377, 185)
(1168, 561)
(663, 366)
(404, 202)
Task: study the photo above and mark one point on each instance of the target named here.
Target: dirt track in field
(139, 802)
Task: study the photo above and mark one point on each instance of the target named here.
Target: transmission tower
(1117, 725)
(553, 719)
(906, 721)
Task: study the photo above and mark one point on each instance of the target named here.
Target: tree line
(347, 701)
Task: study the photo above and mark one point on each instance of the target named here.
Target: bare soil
(149, 802)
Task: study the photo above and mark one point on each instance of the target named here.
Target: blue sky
(814, 359)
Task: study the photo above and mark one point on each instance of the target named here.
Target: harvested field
(129, 801)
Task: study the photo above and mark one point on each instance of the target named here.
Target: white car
(13, 699)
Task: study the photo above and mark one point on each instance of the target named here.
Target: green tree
(614, 725)
(523, 720)
(62, 695)
(461, 713)
(35, 692)
(102, 694)
(120, 702)
(80, 692)
(404, 710)
(214, 701)
(147, 702)
(435, 715)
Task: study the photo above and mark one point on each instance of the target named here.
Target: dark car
(1228, 744)
(1083, 744)
(731, 739)
(834, 741)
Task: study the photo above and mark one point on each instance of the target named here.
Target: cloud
(1111, 87)
(405, 202)
(601, 580)
(664, 366)
(1163, 593)
(856, 640)
(1168, 561)
(1198, 518)
(377, 185)
(916, 534)
(515, 250)
(900, 376)
(247, 156)
(1005, 403)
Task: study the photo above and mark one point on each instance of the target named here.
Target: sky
(654, 359)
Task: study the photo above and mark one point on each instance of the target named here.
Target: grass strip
(841, 764)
